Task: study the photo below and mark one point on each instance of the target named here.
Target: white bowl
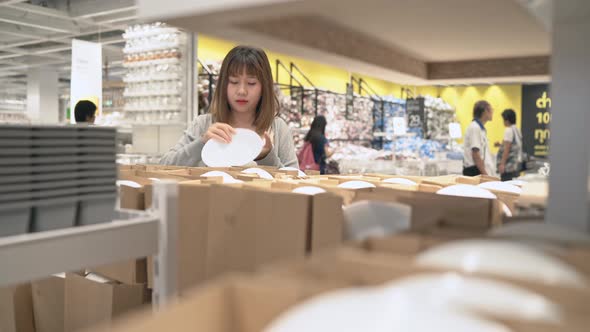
(354, 310)
(228, 179)
(260, 172)
(502, 258)
(401, 181)
(501, 186)
(466, 190)
(356, 185)
(300, 173)
(499, 299)
(128, 183)
(309, 190)
(366, 219)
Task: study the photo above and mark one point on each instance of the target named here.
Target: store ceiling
(413, 42)
(39, 34)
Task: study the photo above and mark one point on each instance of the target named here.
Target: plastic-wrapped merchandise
(439, 115)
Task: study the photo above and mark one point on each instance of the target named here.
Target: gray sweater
(187, 152)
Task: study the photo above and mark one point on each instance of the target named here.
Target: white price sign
(455, 130)
(399, 126)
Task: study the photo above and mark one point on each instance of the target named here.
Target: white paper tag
(399, 126)
(455, 130)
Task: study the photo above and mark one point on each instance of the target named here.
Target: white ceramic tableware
(486, 296)
(309, 190)
(260, 172)
(245, 146)
(502, 258)
(356, 185)
(466, 190)
(300, 173)
(501, 186)
(401, 181)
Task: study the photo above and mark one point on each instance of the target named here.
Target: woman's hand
(268, 144)
(221, 132)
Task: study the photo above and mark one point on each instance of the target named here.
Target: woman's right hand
(218, 131)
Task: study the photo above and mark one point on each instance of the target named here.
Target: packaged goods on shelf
(156, 74)
(439, 115)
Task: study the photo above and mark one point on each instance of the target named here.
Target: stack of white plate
(55, 177)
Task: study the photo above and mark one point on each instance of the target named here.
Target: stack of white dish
(55, 177)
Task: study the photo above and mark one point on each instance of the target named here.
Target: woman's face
(507, 123)
(243, 93)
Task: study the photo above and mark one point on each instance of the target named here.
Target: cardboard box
(150, 272)
(225, 228)
(49, 303)
(16, 309)
(250, 304)
(248, 228)
(432, 210)
(89, 302)
(128, 272)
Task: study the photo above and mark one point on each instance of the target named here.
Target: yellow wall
(321, 75)
(335, 79)
(500, 96)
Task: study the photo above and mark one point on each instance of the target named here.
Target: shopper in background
(509, 157)
(244, 98)
(315, 150)
(85, 112)
(477, 158)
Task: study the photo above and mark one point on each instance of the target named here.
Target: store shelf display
(156, 74)
(439, 115)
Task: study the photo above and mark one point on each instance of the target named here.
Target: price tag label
(399, 126)
(455, 130)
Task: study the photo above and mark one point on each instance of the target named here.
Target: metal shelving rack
(134, 234)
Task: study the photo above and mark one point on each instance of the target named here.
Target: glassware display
(155, 79)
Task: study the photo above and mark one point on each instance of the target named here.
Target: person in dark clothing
(85, 111)
(317, 137)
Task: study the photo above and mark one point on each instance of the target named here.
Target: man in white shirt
(477, 157)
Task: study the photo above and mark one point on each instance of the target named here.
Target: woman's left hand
(268, 145)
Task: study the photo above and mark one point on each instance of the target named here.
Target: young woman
(244, 98)
(510, 154)
(316, 139)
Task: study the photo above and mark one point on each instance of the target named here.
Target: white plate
(260, 172)
(499, 299)
(518, 183)
(309, 190)
(374, 310)
(501, 186)
(503, 258)
(356, 185)
(401, 181)
(366, 219)
(466, 190)
(128, 183)
(245, 146)
(300, 173)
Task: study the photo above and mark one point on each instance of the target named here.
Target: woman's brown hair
(255, 62)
